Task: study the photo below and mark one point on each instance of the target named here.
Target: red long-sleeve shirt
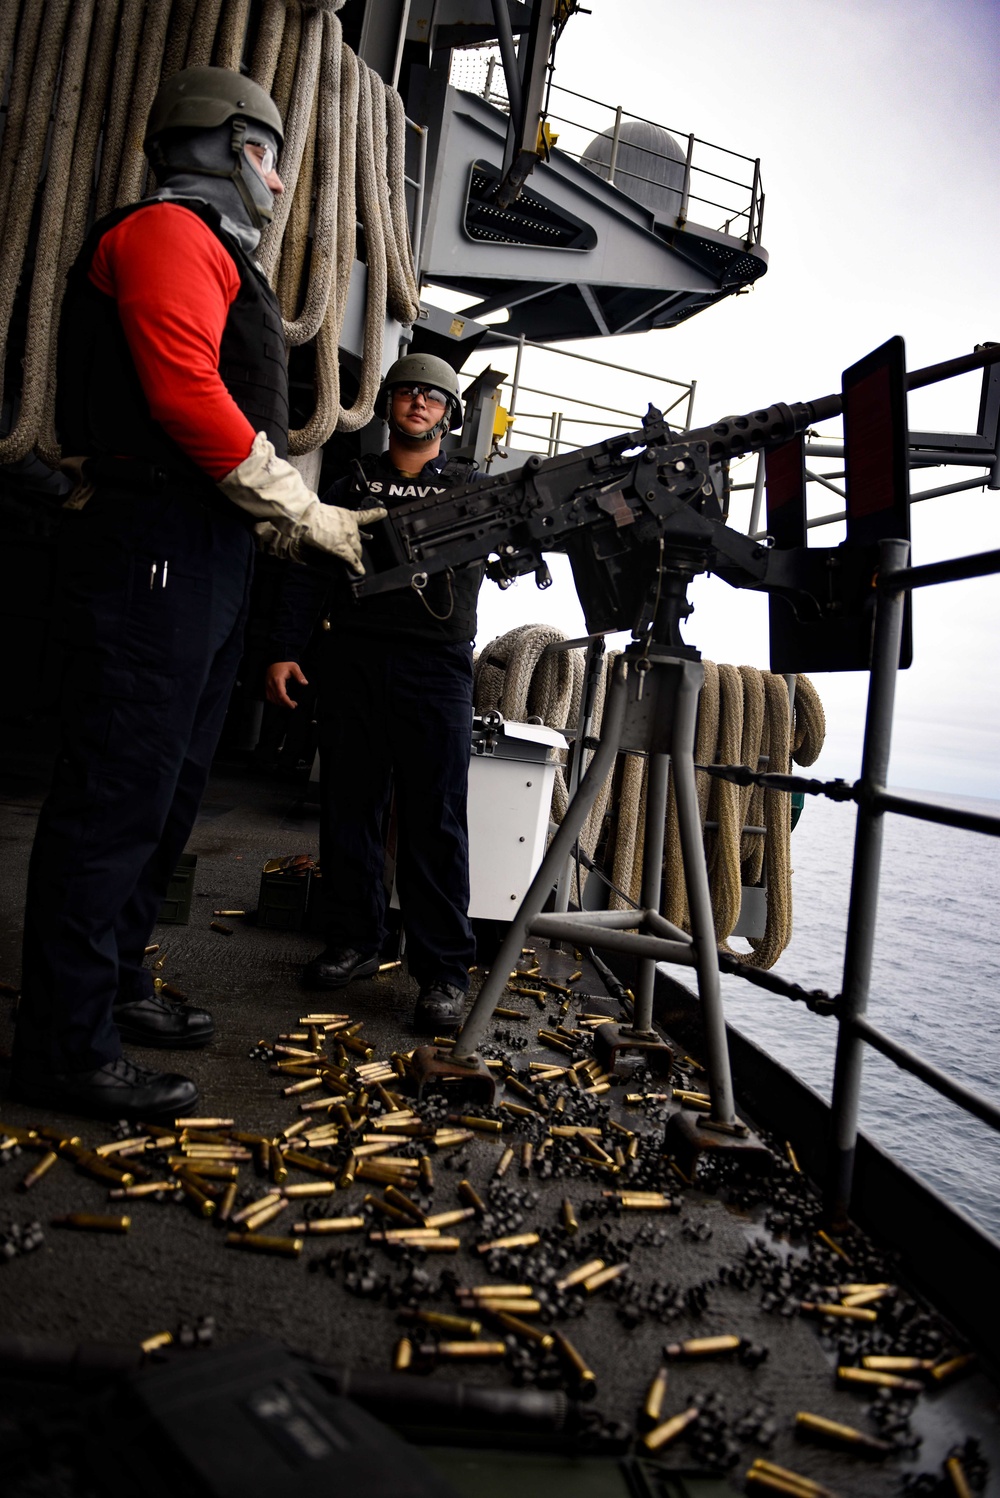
(174, 282)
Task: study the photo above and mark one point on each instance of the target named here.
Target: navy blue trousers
(152, 597)
(398, 714)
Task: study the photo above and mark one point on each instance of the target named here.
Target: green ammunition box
(176, 907)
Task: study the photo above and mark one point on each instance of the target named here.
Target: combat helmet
(424, 369)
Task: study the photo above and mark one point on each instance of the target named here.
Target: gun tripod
(651, 708)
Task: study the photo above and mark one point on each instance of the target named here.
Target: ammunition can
(288, 1248)
(93, 1222)
(665, 1434)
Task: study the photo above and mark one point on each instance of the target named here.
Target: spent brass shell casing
(402, 1201)
(449, 1219)
(494, 1292)
(288, 1248)
(481, 1125)
(256, 1206)
(513, 1240)
(202, 1123)
(322, 1225)
(144, 1188)
(527, 1156)
(228, 1202)
(321, 1188)
(819, 1428)
(265, 1215)
(632, 1148)
(503, 1164)
(309, 1084)
(846, 1313)
(886, 1364)
(472, 1351)
(665, 1434)
(585, 1376)
(577, 1276)
(630, 1203)
(229, 912)
(569, 1220)
(220, 927)
(90, 1165)
(652, 1406)
(93, 1222)
(703, 1347)
(36, 1172)
(457, 1326)
(426, 1173)
(781, 1480)
(153, 947)
(941, 1372)
(201, 1199)
(955, 1473)
(523, 1329)
(156, 1342)
(310, 1166)
(871, 1376)
(824, 1237)
(471, 1197)
(448, 1138)
(517, 1305)
(210, 1170)
(865, 1297)
(402, 1355)
(603, 1277)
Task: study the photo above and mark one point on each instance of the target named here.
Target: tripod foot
(688, 1134)
(470, 1078)
(612, 1042)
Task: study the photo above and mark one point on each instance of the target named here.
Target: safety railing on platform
(678, 174)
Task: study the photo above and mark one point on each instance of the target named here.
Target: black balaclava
(212, 167)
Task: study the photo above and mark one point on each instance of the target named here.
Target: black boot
(439, 1008)
(338, 966)
(119, 1089)
(153, 1020)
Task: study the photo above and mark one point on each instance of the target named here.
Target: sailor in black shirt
(395, 711)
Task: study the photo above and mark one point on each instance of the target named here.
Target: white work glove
(277, 495)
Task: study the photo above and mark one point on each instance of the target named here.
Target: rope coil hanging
(743, 718)
(82, 76)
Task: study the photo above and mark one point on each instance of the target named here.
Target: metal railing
(708, 172)
(542, 429)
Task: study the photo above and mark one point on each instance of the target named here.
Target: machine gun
(639, 516)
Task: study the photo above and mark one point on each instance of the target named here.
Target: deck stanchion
(862, 915)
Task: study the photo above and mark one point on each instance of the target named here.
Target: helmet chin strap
(439, 429)
(258, 199)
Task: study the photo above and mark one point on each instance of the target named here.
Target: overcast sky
(876, 123)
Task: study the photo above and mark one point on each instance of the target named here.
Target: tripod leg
(576, 814)
(652, 881)
(700, 901)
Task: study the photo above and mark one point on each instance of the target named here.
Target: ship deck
(736, 1256)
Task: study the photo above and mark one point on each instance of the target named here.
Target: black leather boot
(439, 1008)
(338, 966)
(153, 1020)
(119, 1089)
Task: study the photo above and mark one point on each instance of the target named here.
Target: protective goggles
(434, 398)
(268, 160)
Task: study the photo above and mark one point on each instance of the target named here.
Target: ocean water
(935, 989)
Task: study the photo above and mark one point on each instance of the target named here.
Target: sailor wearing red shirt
(173, 408)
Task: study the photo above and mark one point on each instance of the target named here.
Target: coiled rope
(744, 718)
(82, 76)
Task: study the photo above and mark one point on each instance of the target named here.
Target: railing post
(752, 236)
(690, 410)
(615, 136)
(686, 192)
(863, 911)
(758, 497)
